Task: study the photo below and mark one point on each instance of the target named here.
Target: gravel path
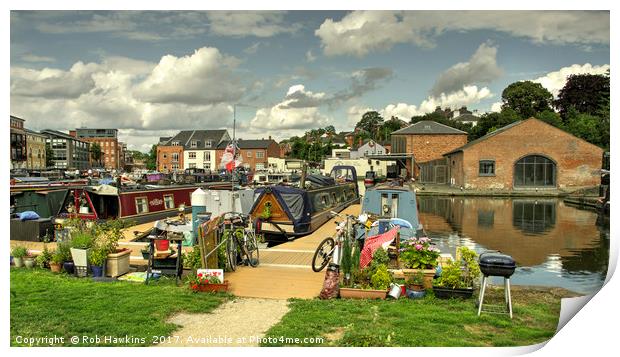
(238, 322)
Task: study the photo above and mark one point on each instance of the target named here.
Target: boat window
(142, 205)
(394, 204)
(334, 201)
(385, 207)
(168, 201)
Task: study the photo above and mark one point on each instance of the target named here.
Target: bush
(98, 256)
(19, 252)
(82, 240)
(57, 257)
(192, 260)
(381, 279)
(63, 249)
(44, 258)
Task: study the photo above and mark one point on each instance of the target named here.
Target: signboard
(219, 273)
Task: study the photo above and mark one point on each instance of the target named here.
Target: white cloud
(249, 23)
(361, 32)
(354, 114)
(481, 68)
(52, 83)
(401, 110)
(203, 78)
(555, 81)
(496, 107)
(310, 57)
(299, 110)
(252, 49)
(29, 57)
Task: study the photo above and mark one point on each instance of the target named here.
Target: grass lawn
(424, 322)
(46, 304)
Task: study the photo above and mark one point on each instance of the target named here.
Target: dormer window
(175, 143)
(208, 143)
(194, 144)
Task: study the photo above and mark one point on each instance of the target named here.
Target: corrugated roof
(429, 127)
(489, 135)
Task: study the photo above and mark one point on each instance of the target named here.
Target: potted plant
(97, 259)
(64, 250)
(29, 260)
(18, 254)
(457, 278)
(371, 282)
(56, 261)
(42, 260)
(107, 236)
(415, 281)
(207, 283)
(419, 255)
(81, 244)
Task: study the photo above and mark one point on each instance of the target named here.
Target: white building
(199, 147)
(362, 165)
(369, 148)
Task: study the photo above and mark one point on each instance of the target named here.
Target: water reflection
(553, 244)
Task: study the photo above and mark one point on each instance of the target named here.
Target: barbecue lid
(496, 259)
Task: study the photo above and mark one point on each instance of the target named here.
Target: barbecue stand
(493, 263)
(173, 232)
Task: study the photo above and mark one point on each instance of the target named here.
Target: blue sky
(152, 73)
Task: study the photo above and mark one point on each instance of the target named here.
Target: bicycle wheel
(251, 245)
(323, 254)
(231, 252)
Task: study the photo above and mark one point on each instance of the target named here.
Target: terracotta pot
(55, 267)
(350, 293)
(429, 274)
(212, 287)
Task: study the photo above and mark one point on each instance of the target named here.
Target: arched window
(534, 171)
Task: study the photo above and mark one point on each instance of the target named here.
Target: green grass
(45, 304)
(424, 322)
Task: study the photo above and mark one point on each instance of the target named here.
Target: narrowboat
(286, 212)
(139, 204)
(396, 203)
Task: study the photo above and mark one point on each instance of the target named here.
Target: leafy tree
(370, 122)
(95, 153)
(586, 93)
(49, 156)
(526, 98)
(550, 117)
(151, 162)
(330, 129)
(587, 127)
(490, 122)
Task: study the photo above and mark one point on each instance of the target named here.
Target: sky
(153, 73)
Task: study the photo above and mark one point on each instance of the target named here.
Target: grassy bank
(424, 322)
(45, 305)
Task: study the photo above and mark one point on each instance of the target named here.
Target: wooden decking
(285, 270)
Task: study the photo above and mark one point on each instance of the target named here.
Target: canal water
(554, 244)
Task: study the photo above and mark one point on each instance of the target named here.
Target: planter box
(118, 263)
(429, 274)
(212, 287)
(80, 256)
(447, 293)
(350, 293)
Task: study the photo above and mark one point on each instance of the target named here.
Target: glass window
(534, 216)
(249, 154)
(486, 168)
(534, 171)
(192, 154)
(142, 205)
(168, 201)
(260, 154)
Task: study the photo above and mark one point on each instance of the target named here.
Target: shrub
(192, 260)
(64, 250)
(57, 257)
(44, 258)
(381, 279)
(19, 252)
(82, 240)
(419, 254)
(460, 273)
(98, 256)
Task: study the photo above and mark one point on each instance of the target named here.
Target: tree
(49, 156)
(586, 93)
(490, 122)
(370, 122)
(151, 162)
(95, 153)
(526, 98)
(330, 130)
(587, 127)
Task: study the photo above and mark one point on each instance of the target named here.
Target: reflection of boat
(286, 212)
(396, 203)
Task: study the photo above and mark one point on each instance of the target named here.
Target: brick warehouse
(427, 140)
(528, 154)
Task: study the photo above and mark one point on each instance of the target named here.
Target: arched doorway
(535, 171)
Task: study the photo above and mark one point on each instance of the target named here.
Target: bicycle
(237, 230)
(329, 248)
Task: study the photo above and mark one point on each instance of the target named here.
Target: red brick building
(254, 153)
(427, 141)
(528, 154)
(169, 158)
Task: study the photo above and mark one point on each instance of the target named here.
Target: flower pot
(19, 262)
(29, 263)
(211, 287)
(447, 293)
(68, 267)
(412, 294)
(55, 267)
(162, 244)
(350, 293)
(97, 271)
(80, 257)
(429, 274)
(118, 263)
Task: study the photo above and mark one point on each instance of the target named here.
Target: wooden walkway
(285, 270)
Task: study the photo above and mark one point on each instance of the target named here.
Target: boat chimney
(302, 179)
